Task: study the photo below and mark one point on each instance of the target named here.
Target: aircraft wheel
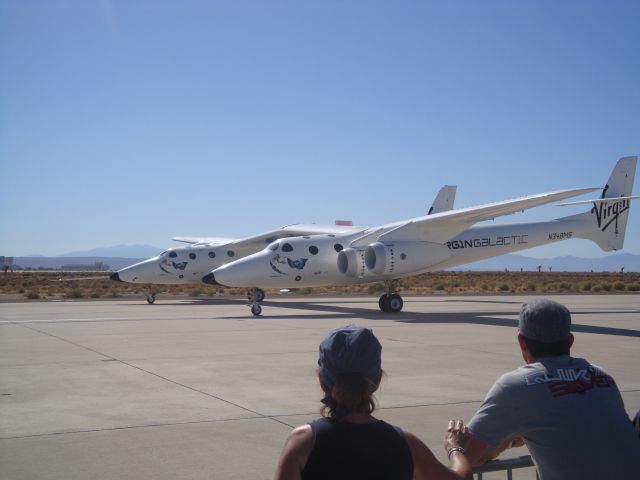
(395, 303)
(256, 309)
(259, 295)
(151, 299)
(383, 303)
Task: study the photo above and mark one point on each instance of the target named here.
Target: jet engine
(399, 258)
(351, 262)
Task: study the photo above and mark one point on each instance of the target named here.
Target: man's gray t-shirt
(571, 416)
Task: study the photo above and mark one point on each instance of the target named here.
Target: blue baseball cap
(350, 349)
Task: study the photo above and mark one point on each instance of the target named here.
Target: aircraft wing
(204, 240)
(443, 226)
(258, 242)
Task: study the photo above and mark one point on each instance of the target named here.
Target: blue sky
(133, 122)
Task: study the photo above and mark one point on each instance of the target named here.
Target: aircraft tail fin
(444, 200)
(608, 216)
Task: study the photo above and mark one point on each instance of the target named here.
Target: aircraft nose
(241, 273)
(142, 272)
(210, 279)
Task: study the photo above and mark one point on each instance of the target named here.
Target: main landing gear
(255, 296)
(151, 298)
(390, 302)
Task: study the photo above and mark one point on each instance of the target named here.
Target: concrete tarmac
(201, 389)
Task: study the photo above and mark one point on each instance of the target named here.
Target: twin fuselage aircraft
(444, 238)
(188, 265)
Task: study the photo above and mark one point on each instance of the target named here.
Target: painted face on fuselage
(286, 263)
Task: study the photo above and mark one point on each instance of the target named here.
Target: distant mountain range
(122, 251)
(513, 263)
(120, 256)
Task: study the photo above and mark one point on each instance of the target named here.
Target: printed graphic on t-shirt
(567, 381)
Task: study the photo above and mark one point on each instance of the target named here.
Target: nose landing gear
(255, 296)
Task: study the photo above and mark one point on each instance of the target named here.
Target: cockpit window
(274, 246)
(287, 247)
(173, 254)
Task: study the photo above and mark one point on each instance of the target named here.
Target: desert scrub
(586, 286)
(564, 287)
(32, 295)
(619, 286)
(503, 287)
(74, 293)
(633, 287)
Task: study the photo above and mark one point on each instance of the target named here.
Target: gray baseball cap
(350, 349)
(545, 321)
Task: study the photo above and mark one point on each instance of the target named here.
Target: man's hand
(457, 435)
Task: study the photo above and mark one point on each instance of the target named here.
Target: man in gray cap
(567, 411)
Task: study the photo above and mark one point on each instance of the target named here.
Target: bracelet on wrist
(455, 449)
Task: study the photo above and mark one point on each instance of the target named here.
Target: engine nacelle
(399, 258)
(351, 262)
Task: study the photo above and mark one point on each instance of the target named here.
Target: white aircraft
(432, 242)
(187, 265)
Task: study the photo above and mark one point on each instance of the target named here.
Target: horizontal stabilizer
(597, 200)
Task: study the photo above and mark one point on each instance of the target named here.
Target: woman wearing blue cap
(348, 442)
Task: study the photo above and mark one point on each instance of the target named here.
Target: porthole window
(173, 254)
(306, 237)
(231, 253)
(287, 247)
(338, 248)
(192, 256)
(313, 250)
(403, 256)
(331, 235)
(212, 254)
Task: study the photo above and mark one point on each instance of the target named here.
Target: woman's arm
(295, 453)
(427, 466)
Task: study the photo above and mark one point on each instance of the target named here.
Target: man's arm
(479, 452)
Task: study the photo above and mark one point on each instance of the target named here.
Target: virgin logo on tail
(609, 212)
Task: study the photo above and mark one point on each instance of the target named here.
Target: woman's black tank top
(372, 451)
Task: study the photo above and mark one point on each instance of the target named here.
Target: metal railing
(508, 464)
